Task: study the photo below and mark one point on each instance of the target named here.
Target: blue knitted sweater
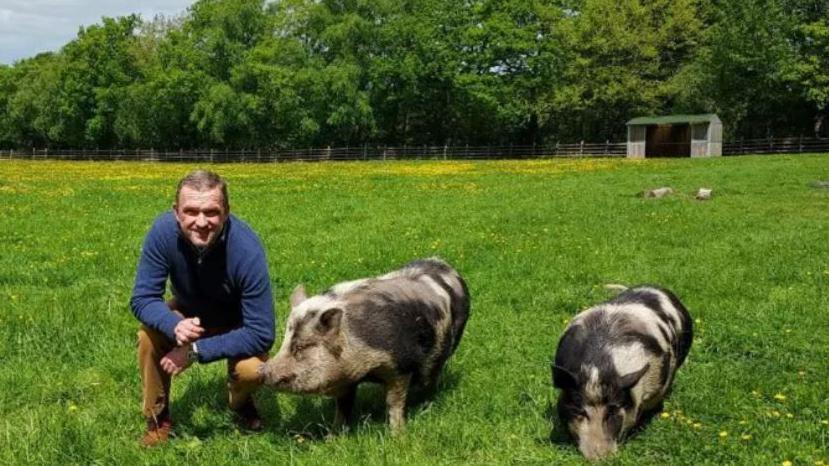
(225, 286)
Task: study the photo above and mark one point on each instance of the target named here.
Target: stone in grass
(820, 184)
(703, 194)
(657, 192)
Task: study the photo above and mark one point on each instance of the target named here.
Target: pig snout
(595, 451)
(273, 375)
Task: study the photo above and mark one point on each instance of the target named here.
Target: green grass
(535, 240)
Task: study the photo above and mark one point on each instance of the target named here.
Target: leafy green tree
(7, 88)
(743, 71)
(811, 70)
(32, 85)
(96, 68)
(287, 73)
(617, 60)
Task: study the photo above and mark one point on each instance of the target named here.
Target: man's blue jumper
(226, 286)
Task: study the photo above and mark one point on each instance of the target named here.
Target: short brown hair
(203, 180)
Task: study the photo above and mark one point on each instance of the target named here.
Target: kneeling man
(221, 306)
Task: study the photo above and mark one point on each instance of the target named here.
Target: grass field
(536, 240)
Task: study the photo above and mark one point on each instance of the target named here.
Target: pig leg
(344, 405)
(396, 390)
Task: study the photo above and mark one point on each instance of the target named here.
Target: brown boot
(247, 417)
(158, 431)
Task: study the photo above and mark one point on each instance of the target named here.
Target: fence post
(581, 148)
(800, 145)
(445, 148)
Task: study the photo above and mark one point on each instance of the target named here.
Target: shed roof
(675, 119)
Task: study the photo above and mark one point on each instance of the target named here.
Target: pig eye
(612, 410)
(302, 347)
(581, 415)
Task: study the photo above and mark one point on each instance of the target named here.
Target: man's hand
(188, 330)
(176, 361)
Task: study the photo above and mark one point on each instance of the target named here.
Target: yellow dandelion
(723, 434)
(775, 413)
(746, 436)
(780, 397)
(755, 392)
(787, 463)
(801, 373)
(665, 415)
(697, 425)
(743, 422)
(72, 408)
(825, 422)
(819, 463)
(698, 321)
(790, 415)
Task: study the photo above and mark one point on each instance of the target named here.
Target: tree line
(294, 73)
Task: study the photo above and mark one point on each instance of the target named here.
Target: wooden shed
(675, 136)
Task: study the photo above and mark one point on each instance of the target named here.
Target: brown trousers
(243, 377)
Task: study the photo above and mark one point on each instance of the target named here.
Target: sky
(29, 27)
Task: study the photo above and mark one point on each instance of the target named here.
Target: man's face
(200, 215)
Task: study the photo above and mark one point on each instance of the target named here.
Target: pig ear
(329, 321)
(298, 295)
(562, 378)
(629, 380)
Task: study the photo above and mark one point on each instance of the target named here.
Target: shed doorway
(668, 141)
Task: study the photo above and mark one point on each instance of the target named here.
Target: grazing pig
(616, 362)
(397, 329)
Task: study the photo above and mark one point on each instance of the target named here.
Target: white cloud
(28, 27)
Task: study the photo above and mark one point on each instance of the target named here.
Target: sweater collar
(201, 253)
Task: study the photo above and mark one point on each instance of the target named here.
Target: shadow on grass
(558, 435)
(202, 410)
(313, 417)
(202, 395)
(647, 417)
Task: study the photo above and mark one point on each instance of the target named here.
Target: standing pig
(617, 361)
(398, 330)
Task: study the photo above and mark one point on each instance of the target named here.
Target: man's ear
(298, 295)
(329, 321)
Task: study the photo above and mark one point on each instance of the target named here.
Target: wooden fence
(373, 152)
(606, 149)
(795, 145)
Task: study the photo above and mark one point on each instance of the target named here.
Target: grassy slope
(535, 240)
